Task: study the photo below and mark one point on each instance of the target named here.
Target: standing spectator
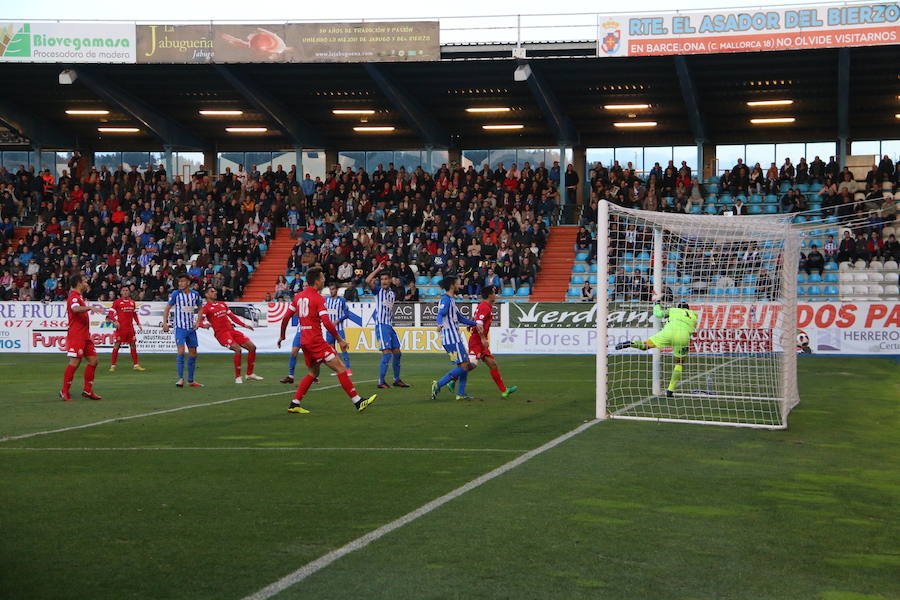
(571, 182)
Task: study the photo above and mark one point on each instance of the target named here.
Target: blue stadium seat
(217, 268)
(801, 291)
(748, 290)
(815, 278)
(741, 197)
(508, 291)
(431, 292)
(831, 278)
(578, 268)
(831, 266)
(799, 219)
(711, 198)
(750, 279)
(674, 255)
(593, 280)
(263, 247)
(784, 187)
(523, 292)
(771, 199)
(732, 291)
(422, 280)
(686, 279)
(573, 292)
(250, 268)
(711, 209)
(804, 244)
(831, 290)
(577, 280)
(815, 206)
(671, 279)
(716, 291)
(831, 219)
(581, 256)
(629, 255)
(771, 209)
(671, 267)
(815, 186)
(726, 199)
(814, 233)
(814, 290)
(628, 268)
(756, 199)
(683, 291)
(713, 179)
(803, 187)
(645, 256)
(756, 209)
(801, 278)
(436, 280)
(832, 231)
(696, 209)
(289, 278)
(610, 279)
(593, 268)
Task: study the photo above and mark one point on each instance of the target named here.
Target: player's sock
(134, 356)
(191, 365)
(461, 383)
(68, 376)
(89, 377)
(114, 357)
(452, 374)
(385, 360)
(179, 360)
(639, 345)
(676, 377)
(397, 366)
(251, 360)
(303, 386)
(347, 384)
(495, 375)
(237, 364)
(346, 357)
(292, 364)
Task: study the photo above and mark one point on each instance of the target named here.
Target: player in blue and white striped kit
(448, 319)
(388, 342)
(186, 303)
(338, 313)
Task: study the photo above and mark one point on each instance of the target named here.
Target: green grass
(624, 510)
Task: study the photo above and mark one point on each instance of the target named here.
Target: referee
(186, 303)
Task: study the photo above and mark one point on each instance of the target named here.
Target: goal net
(737, 276)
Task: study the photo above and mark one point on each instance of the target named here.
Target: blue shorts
(386, 337)
(329, 339)
(185, 337)
(296, 340)
(458, 353)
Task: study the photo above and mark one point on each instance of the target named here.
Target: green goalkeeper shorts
(679, 339)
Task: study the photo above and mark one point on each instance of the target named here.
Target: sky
(176, 10)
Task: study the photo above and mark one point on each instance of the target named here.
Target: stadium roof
(694, 96)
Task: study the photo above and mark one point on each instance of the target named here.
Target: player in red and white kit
(479, 346)
(220, 317)
(78, 341)
(124, 315)
(310, 308)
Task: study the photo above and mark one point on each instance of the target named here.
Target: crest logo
(611, 40)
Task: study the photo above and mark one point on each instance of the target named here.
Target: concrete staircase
(556, 265)
(273, 264)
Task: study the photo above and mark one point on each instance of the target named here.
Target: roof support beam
(843, 101)
(428, 128)
(299, 132)
(689, 94)
(42, 133)
(166, 129)
(552, 110)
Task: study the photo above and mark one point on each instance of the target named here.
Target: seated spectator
(412, 293)
(281, 288)
(351, 294)
(891, 250)
(587, 292)
(815, 261)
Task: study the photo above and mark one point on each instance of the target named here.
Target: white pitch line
(11, 438)
(361, 542)
(262, 449)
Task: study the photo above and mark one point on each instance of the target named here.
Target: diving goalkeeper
(682, 322)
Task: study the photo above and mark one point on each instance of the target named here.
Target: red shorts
(476, 348)
(316, 351)
(231, 337)
(124, 337)
(80, 347)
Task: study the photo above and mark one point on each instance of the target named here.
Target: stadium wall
(833, 328)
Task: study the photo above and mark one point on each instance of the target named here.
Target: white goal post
(738, 274)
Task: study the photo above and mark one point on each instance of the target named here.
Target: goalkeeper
(682, 322)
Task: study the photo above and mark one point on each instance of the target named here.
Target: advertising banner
(67, 42)
(834, 328)
(289, 42)
(750, 30)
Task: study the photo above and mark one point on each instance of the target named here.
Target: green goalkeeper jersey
(683, 319)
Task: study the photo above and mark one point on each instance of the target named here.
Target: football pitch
(232, 494)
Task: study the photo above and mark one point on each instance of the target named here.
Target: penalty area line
(374, 535)
(23, 436)
(259, 449)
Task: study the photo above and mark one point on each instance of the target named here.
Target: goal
(738, 273)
